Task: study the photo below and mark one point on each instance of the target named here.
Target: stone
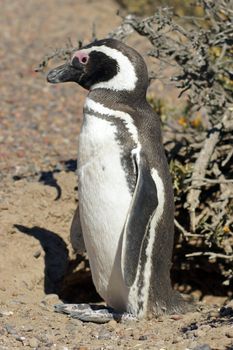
(28, 328)
(226, 311)
(142, 337)
(51, 299)
(37, 254)
(229, 333)
(48, 302)
(176, 317)
(105, 335)
(20, 338)
(6, 313)
(202, 347)
(199, 333)
(33, 342)
(10, 329)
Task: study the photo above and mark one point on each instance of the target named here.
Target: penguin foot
(93, 313)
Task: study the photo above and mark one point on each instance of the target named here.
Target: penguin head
(104, 64)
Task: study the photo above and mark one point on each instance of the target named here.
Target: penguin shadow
(47, 177)
(69, 278)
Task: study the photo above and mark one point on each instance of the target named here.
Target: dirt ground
(38, 145)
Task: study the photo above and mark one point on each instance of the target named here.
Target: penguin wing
(76, 235)
(143, 205)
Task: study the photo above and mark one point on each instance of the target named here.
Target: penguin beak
(64, 73)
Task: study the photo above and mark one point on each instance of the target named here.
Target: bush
(200, 153)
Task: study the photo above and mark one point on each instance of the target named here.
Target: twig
(184, 232)
(211, 254)
(93, 34)
(124, 30)
(204, 179)
(228, 157)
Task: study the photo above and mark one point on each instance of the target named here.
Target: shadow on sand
(61, 275)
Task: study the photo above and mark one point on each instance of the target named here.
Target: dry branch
(201, 160)
(199, 170)
(212, 255)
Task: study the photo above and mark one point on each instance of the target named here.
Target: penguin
(125, 217)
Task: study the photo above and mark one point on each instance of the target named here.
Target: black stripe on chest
(126, 142)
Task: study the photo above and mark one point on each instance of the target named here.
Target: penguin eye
(80, 57)
(84, 60)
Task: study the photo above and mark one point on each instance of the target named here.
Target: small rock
(58, 167)
(45, 338)
(37, 254)
(229, 333)
(33, 343)
(176, 317)
(142, 337)
(5, 313)
(213, 313)
(226, 311)
(199, 333)
(51, 299)
(10, 329)
(28, 328)
(190, 335)
(202, 347)
(193, 326)
(13, 231)
(20, 338)
(230, 304)
(103, 334)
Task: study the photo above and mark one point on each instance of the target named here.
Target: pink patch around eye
(82, 56)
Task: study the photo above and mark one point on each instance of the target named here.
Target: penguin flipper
(76, 235)
(143, 205)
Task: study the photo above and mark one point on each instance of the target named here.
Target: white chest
(104, 200)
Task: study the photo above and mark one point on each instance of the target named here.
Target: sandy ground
(38, 141)
(37, 267)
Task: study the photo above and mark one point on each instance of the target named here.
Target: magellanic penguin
(126, 206)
